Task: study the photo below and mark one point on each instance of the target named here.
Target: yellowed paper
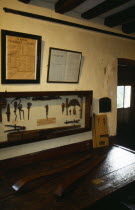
(21, 58)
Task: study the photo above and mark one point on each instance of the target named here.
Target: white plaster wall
(99, 67)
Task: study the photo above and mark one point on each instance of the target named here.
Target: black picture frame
(11, 42)
(63, 62)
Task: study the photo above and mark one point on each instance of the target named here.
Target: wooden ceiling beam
(120, 17)
(102, 8)
(63, 6)
(126, 62)
(129, 28)
(25, 1)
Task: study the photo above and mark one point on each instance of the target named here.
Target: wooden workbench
(116, 172)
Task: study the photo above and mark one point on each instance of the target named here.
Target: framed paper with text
(64, 66)
(21, 55)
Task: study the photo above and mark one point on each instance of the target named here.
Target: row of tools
(18, 106)
(65, 106)
(17, 128)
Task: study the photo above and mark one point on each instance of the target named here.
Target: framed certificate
(64, 66)
(21, 55)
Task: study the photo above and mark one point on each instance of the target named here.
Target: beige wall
(99, 68)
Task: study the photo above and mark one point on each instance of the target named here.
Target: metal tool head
(73, 102)
(29, 105)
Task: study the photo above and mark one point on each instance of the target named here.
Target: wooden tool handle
(71, 178)
(22, 182)
(67, 106)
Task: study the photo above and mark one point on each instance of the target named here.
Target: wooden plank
(39, 134)
(112, 184)
(67, 5)
(100, 131)
(43, 93)
(114, 174)
(71, 178)
(22, 182)
(85, 146)
(48, 121)
(42, 138)
(120, 17)
(102, 8)
(129, 27)
(85, 194)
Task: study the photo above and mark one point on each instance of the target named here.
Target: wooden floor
(103, 185)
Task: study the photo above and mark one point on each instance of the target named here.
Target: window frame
(124, 96)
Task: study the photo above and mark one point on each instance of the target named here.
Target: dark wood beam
(25, 1)
(120, 17)
(63, 6)
(129, 28)
(102, 8)
(126, 62)
(67, 23)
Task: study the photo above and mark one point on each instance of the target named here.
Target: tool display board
(33, 116)
(100, 131)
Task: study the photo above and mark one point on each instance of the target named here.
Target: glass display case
(34, 116)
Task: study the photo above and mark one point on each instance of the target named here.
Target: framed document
(64, 66)
(21, 55)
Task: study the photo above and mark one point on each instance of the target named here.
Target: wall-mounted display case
(27, 117)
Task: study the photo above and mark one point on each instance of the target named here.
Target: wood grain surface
(116, 173)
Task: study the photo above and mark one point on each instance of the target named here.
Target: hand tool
(81, 106)
(67, 106)
(47, 110)
(20, 110)
(74, 102)
(28, 107)
(16, 128)
(3, 104)
(63, 107)
(8, 112)
(74, 111)
(19, 98)
(15, 109)
(72, 121)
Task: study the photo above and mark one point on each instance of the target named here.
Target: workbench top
(115, 172)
